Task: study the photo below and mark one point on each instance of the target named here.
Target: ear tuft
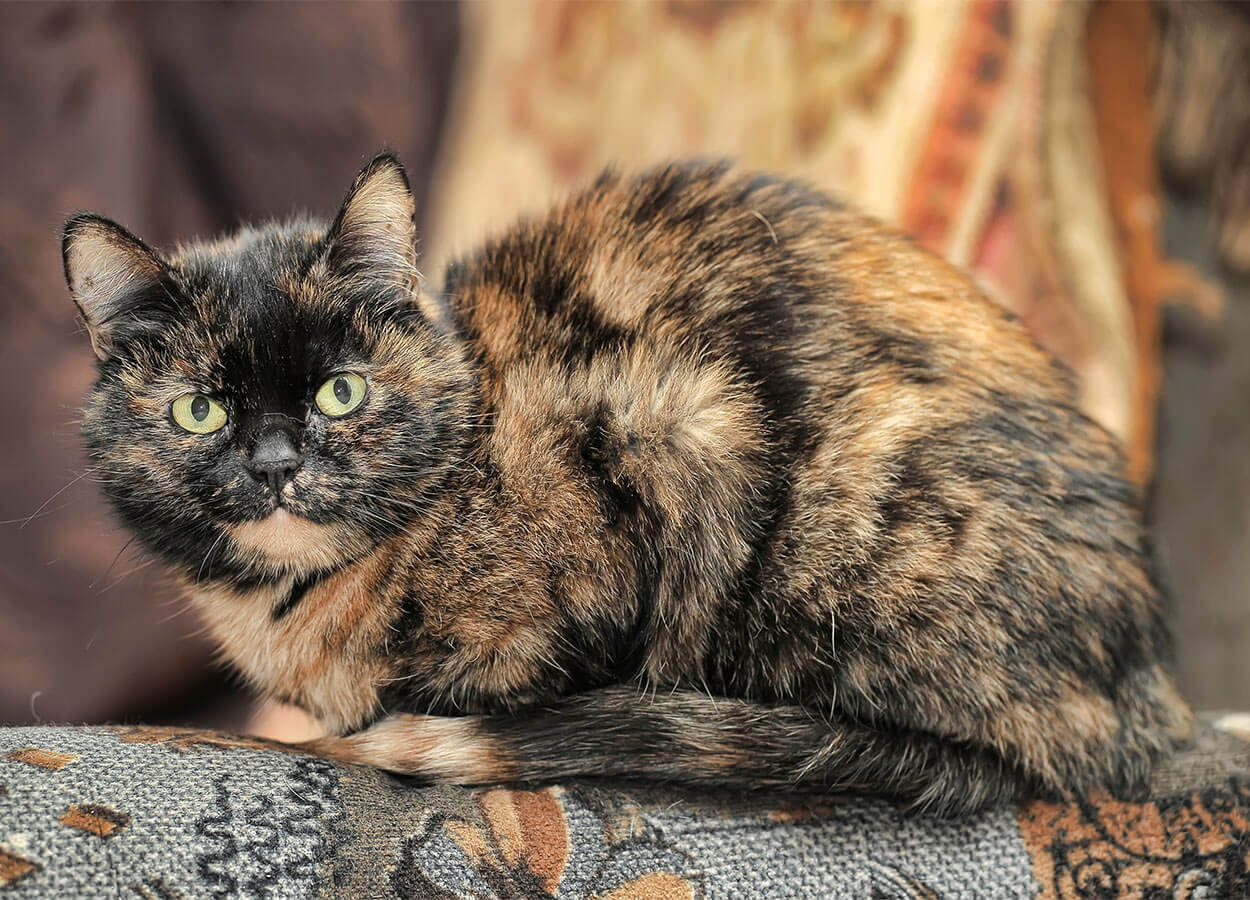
(110, 272)
(374, 234)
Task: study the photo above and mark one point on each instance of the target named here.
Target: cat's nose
(274, 460)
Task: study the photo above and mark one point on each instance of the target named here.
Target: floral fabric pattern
(163, 814)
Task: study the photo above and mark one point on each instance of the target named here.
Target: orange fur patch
(323, 654)
(447, 750)
(290, 540)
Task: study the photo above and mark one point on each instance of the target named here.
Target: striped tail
(687, 738)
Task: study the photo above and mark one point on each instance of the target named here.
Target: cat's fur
(699, 477)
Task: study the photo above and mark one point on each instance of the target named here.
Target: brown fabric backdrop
(182, 120)
(176, 120)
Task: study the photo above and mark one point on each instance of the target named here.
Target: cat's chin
(289, 540)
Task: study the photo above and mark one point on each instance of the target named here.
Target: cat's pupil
(342, 390)
(199, 408)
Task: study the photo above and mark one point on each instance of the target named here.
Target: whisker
(27, 520)
(221, 537)
(124, 575)
(113, 563)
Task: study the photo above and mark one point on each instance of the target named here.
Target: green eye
(198, 414)
(341, 394)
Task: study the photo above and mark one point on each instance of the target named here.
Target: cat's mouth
(280, 502)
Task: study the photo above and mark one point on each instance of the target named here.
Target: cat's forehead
(251, 264)
(256, 281)
(260, 295)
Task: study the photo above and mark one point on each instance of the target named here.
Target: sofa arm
(158, 813)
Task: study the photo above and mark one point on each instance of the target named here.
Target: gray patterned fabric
(159, 813)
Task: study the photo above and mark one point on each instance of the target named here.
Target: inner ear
(113, 277)
(374, 234)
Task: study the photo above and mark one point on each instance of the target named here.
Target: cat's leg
(687, 738)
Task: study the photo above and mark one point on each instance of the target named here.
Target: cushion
(159, 813)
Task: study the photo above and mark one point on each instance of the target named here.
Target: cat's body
(700, 477)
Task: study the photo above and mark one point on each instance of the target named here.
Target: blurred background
(1089, 162)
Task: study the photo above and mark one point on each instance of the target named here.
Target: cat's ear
(374, 234)
(112, 276)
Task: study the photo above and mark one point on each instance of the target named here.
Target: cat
(701, 477)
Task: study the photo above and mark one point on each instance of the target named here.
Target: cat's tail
(687, 738)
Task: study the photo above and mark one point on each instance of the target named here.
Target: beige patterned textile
(966, 123)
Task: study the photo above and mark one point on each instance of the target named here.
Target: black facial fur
(259, 322)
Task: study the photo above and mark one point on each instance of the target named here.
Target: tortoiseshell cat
(701, 477)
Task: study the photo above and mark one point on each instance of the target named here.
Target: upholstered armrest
(158, 813)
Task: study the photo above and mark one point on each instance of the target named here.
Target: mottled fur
(699, 477)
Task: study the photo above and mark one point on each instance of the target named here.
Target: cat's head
(274, 401)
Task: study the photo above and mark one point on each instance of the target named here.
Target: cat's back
(815, 306)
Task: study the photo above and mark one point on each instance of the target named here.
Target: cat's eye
(198, 414)
(341, 394)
